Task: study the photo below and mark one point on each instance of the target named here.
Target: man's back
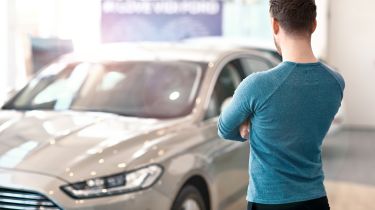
(294, 112)
(291, 108)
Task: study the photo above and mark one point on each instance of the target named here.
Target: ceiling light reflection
(174, 96)
(121, 165)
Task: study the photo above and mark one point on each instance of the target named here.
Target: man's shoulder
(338, 77)
(260, 84)
(264, 77)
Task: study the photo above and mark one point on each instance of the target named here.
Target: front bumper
(50, 188)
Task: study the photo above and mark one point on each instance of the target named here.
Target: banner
(160, 20)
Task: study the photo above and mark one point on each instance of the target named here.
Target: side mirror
(8, 95)
(226, 103)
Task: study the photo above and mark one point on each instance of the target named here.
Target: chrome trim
(13, 199)
(18, 195)
(26, 202)
(14, 207)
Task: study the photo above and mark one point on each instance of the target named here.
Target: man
(289, 110)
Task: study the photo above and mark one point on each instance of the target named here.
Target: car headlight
(131, 181)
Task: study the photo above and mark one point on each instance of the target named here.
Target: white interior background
(3, 48)
(345, 38)
(351, 49)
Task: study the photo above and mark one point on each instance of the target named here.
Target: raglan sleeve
(341, 81)
(240, 108)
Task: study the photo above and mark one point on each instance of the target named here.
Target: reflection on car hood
(74, 145)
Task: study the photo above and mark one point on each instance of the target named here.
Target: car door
(229, 159)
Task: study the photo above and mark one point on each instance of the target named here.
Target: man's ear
(275, 26)
(315, 24)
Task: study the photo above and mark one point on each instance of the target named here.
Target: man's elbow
(229, 136)
(222, 135)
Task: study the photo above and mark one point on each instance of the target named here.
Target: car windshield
(139, 89)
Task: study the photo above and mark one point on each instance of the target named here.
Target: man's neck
(298, 51)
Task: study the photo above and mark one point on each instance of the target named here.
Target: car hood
(75, 145)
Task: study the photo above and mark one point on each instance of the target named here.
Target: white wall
(63, 19)
(251, 19)
(352, 51)
(320, 37)
(247, 19)
(3, 48)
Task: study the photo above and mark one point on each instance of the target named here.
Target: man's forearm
(229, 133)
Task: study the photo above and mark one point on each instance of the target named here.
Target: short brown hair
(294, 16)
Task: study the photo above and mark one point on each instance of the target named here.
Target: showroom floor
(349, 164)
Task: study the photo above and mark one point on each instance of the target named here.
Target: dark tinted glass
(255, 64)
(225, 86)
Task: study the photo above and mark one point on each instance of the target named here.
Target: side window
(225, 86)
(255, 64)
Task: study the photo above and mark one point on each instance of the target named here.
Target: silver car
(127, 127)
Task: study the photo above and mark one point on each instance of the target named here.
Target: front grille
(24, 200)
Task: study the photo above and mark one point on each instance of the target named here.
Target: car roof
(234, 42)
(151, 52)
(156, 51)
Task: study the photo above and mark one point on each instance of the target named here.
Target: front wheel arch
(201, 185)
